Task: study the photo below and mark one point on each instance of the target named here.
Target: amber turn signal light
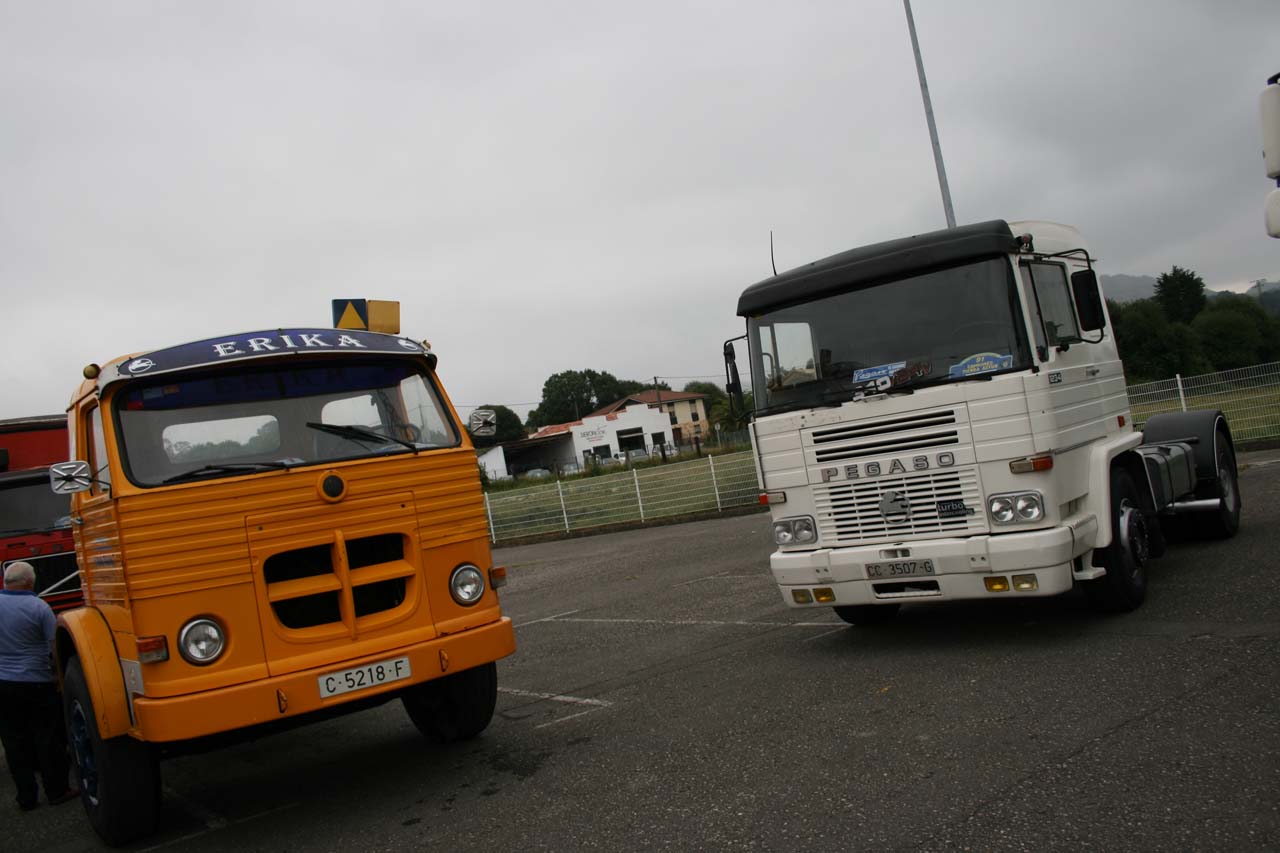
(996, 584)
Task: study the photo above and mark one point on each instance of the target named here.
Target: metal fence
(709, 484)
(1248, 396)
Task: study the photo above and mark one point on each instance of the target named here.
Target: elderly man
(30, 714)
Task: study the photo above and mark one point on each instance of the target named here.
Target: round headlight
(1001, 509)
(782, 533)
(467, 584)
(802, 528)
(201, 641)
(1028, 508)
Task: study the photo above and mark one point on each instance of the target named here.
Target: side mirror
(67, 478)
(1084, 286)
(483, 423)
(1269, 105)
(733, 382)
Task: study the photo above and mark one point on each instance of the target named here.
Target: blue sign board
(276, 342)
(866, 374)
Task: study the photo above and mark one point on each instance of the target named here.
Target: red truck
(34, 522)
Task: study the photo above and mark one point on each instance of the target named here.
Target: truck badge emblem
(140, 365)
(894, 506)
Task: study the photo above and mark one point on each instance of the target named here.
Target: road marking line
(711, 622)
(565, 719)
(547, 618)
(187, 804)
(824, 634)
(556, 697)
(210, 818)
(722, 576)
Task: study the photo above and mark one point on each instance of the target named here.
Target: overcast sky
(552, 186)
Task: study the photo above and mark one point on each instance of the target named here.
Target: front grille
(897, 434)
(850, 512)
(306, 589)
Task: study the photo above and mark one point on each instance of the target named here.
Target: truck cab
(945, 417)
(35, 527)
(274, 527)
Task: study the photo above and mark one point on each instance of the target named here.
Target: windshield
(943, 326)
(251, 418)
(31, 506)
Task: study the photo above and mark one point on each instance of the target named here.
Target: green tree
(1152, 347)
(509, 428)
(1180, 294)
(1236, 331)
(713, 391)
(573, 394)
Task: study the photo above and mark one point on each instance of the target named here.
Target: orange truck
(274, 528)
(34, 526)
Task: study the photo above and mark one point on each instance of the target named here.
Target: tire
(455, 707)
(868, 614)
(1124, 587)
(1224, 522)
(119, 778)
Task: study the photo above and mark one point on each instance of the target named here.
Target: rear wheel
(868, 614)
(119, 778)
(1124, 586)
(455, 707)
(1223, 522)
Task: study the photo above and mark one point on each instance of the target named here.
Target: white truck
(944, 417)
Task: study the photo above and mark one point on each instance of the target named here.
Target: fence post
(564, 512)
(715, 487)
(493, 534)
(1182, 398)
(639, 500)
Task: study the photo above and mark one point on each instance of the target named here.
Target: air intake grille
(890, 435)
(850, 512)
(306, 589)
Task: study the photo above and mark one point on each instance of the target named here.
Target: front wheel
(455, 707)
(1124, 586)
(119, 777)
(868, 614)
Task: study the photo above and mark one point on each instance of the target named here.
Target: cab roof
(273, 343)
(878, 262)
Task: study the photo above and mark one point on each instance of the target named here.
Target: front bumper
(270, 699)
(960, 565)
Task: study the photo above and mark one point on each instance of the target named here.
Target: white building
(565, 448)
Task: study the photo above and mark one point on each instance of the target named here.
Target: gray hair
(19, 575)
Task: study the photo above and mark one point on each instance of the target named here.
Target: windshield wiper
(225, 468)
(358, 433)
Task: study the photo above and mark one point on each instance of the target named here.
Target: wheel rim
(1227, 481)
(1133, 535)
(82, 746)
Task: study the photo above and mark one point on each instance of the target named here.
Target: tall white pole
(928, 114)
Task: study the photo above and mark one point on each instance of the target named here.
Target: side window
(1056, 309)
(98, 454)
(788, 351)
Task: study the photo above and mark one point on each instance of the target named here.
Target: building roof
(556, 429)
(649, 397)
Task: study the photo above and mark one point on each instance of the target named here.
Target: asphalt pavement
(662, 697)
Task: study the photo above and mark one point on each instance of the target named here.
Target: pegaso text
(875, 469)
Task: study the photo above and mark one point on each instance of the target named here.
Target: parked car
(536, 473)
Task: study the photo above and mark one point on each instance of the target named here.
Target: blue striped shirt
(26, 636)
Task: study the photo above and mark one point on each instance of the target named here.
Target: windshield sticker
(866, 374)
(983, 362)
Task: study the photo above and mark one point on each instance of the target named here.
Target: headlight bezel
(1006, 508)
(185, 634)
(797, 530)
(455, 584)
